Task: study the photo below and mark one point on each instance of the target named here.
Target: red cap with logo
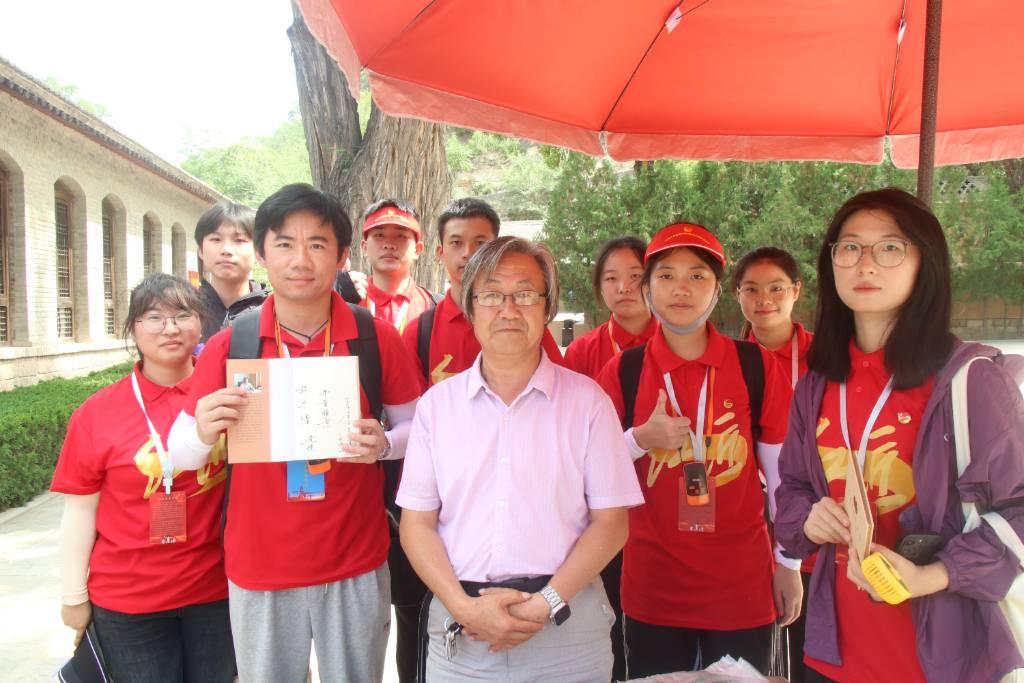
(391, 215)
(685, 235)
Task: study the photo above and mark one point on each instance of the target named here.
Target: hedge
(32, 424)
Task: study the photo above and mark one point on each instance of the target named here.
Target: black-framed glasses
(154, 323)
(886, 253)
(524, 297)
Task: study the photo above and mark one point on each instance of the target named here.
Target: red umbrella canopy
(701, 79)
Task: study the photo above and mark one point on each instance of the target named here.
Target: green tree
(70, 93)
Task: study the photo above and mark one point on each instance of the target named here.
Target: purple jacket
(961, 633)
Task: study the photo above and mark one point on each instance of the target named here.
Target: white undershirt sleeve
(768, 456)
(635, 451)
(400, 419)
(186, 449)
(77, 537)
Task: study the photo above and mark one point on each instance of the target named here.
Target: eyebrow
(887, 236)
(770, 282)
(524, 281)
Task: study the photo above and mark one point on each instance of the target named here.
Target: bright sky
(171, 74)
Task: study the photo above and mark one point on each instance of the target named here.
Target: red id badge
(167, 517)
(696, 499)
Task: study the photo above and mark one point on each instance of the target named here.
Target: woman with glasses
(698, 575)
(875, 405)
(767, 283)
(616, 284)
(140, 549)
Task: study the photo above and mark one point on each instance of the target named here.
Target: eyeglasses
(887, 253)
(154, 323)
(525, 297)
(774, 292)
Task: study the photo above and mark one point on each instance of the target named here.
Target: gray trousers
(578, 651)
(348, 620)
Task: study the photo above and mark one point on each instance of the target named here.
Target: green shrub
(32, 424)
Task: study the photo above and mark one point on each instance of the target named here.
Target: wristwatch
(559, 608)
(387, 448)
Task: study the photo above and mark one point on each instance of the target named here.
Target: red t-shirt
(389, 307)
(589, 353)
(273, 544)
(877, 641)
(453, 346)
(722, 580)
(108, 449)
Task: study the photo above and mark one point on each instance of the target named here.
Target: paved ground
(33, 641)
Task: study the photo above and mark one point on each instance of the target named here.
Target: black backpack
(424, 327)
(246, 343)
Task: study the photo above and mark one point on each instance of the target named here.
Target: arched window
(5, 290)
(152, 245)
(179, 256)
(62, 208)
(115, 272)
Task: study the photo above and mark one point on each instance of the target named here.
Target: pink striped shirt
(515, 483)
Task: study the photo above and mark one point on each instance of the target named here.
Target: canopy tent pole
(929, 102)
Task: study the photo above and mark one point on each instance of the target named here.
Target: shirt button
(501, 503)
(500, 548)
(503, 460)
(866, 364)
(858, 390)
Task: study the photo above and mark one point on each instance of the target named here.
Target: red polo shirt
(388, 307)
(877, 641)
(453, 346)
(589, 353)
(108, 450)
(271, 543)
(720, 580)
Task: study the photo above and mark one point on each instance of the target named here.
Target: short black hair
(468, 207)
(162, 289)
(276, 208)
(628, 242)
(239, 215)
(924, 316)
(392, 202)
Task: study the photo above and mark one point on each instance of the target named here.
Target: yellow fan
(884, 578)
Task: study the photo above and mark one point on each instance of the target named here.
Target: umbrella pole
(929, 102)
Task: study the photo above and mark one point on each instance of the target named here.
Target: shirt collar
(448, 309)
(667, 360)
(859, 359)
(343, 326)
(803, 342)
(626, 339)
(382, 297)
(151, 391)
(543, 378)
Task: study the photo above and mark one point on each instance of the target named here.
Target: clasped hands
(502, 617)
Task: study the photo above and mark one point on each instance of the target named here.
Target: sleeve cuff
(787, 562)
(408, 502)
(635, 452)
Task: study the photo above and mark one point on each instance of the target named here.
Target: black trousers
(797, 669)
(407, 593)
(612, 577)
(653, 650)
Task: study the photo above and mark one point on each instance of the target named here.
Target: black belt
(472, 588)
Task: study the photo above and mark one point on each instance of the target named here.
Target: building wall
(39, 155)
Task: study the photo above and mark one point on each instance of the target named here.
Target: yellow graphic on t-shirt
(884, 473)
(438, 375)
(726, 454)
(147, 460)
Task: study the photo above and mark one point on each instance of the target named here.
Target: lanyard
(166, 466)
(875, 412)
(794, 364)
(616, 349)
(696, 440)
(399, 320)
(282, 349)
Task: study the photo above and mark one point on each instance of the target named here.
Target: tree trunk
(394, 157)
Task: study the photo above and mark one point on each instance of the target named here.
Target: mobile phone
(696, 475)
(920, 548)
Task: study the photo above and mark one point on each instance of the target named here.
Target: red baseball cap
(391, 215)
(685, 235)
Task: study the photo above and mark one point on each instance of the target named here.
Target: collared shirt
(108, 450)
(785, 352)
(453, 345)
(272, 544)
(515, 483)
(719, 580)
(400, 308)
(589, 353)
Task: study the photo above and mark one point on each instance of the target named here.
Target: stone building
(85, 212)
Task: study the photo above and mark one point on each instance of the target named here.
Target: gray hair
(486, 259)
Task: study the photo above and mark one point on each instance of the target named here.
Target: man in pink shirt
(515, 491)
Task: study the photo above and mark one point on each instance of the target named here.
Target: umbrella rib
(412, 22)
(622, 93)
(895, 68)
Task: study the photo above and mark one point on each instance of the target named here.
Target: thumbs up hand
(661, 429)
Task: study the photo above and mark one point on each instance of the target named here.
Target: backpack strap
(752, 366)
(631, 362)
(436, 298)
(365, 347)
(423, 331)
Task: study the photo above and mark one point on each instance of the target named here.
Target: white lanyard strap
(794, 362)
(696, 440)
(875, 412)
(399, 321)
(166, 466)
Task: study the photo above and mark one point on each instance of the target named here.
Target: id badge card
(696, 499)
(167, 517)
(304, 485)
